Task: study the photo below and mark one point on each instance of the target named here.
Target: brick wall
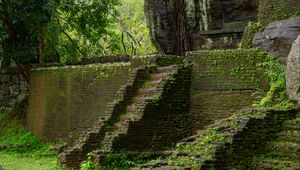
(13, 88)
(69, 99)
(223, 82)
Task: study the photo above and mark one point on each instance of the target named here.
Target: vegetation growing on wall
(276, 97)
(249, 33)
(272, 10)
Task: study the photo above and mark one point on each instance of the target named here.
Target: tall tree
(180, 30)
(33, 31)
(22, 24)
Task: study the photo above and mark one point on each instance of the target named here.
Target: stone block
(293, 72)
(277, 38)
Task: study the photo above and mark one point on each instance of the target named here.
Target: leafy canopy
(47, 30)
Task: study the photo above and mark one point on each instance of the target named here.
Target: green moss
(203, 146)
(272, 10)
(251, 29)
(168, 60)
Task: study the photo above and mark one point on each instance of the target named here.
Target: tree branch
(77, 47)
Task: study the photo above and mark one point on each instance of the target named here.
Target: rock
(293, 72)
(201, 16)
(277, 38)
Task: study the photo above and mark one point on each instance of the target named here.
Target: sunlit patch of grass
(14, 161)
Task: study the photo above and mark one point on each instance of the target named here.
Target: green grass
(14, 161)
(23, 150)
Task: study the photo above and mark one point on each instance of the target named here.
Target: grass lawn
(13, 161)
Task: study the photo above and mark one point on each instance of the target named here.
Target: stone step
(277, 164)
(148, 91)
(141, 99)
(166, 167)
(167, 69)
(292, 124)
(160, 76)
(285, 149)
(153, 83)
(289, 136)
(134, 108)
(110, 136)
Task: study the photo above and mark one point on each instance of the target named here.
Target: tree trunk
(181, 45)
(166, 21)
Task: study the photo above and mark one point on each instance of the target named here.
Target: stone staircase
(125, 125)
(233, 142)
(284, 151)
(151, 90)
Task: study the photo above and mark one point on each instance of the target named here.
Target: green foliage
(203, 145)
(112, 161)
(53, 30)
(251, 29)
(276, 96)
(15, 161)
(21, 22)
(168, 60)
(88, 164)
(17, 139)
(133, 31)
(66, 31)
(117, 161)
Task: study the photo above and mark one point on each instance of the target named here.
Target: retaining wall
(224, 82)
(69, 99)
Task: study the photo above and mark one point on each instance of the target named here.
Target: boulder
(278, 37)
(293, 72)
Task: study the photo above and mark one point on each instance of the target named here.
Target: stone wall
(69, 99)
(92, 137)
(236, 142)
(224, 82)
(251, 139)
(66, 99)
(13, 88)
(152, 113)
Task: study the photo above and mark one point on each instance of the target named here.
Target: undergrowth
(22, 150)
(112, 162)
(15, 138)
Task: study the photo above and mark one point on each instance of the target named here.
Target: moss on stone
(250, 31)
(272, 10)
